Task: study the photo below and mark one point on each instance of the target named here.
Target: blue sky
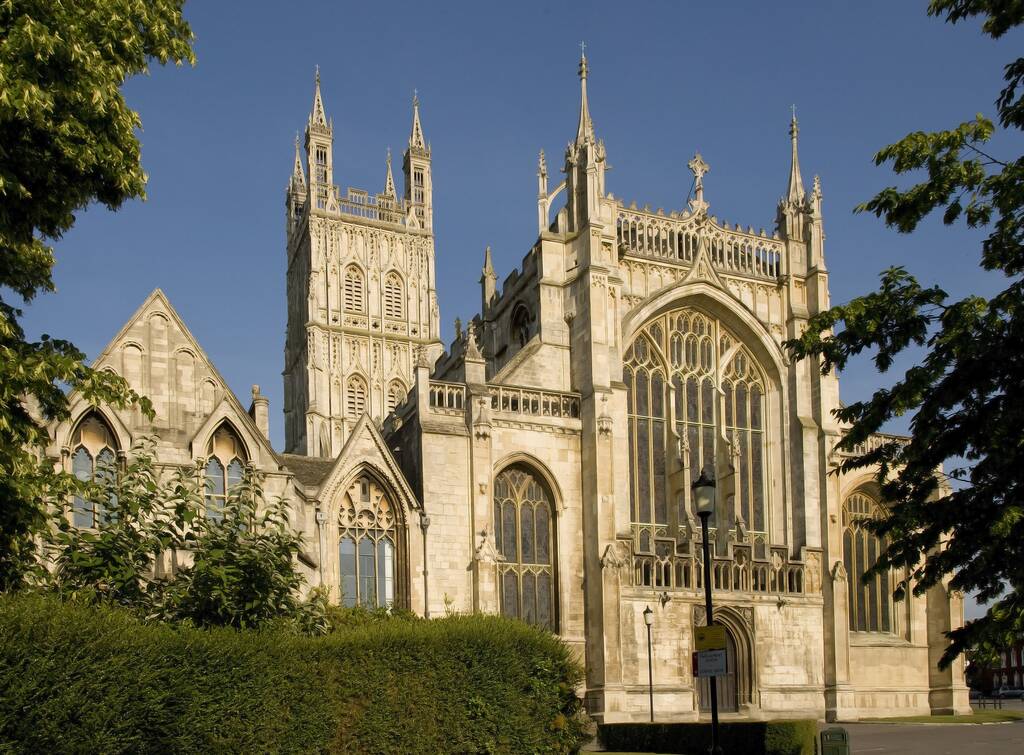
(497, 82)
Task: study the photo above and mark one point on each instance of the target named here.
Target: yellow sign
(710, 638)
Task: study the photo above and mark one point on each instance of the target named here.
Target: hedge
(80, 679)
(747, 737)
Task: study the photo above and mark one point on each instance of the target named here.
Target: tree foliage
(67, 138)
(155, 549)
(966, 525)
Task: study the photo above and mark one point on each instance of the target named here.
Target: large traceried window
(870, 605)
(524, 536)
(225, 467)
(394, 297)
(368, 545)
(685, 371)
(93, 458)
(353, 290)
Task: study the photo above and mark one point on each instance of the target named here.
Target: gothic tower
(361, 295)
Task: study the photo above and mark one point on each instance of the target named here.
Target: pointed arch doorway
(728, 698)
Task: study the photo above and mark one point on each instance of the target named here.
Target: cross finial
(698, 167)
(415, 96)
(793, 108)
(318, 74)
(583, 48)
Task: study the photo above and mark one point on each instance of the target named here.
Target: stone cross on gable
(698, 167)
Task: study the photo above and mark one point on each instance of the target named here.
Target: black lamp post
(649, 620)
(704, 497)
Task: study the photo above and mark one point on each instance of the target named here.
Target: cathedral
(540, 465)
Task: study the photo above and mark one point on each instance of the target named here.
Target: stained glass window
(367, 546)
(93, 458)
(687, 371)
(870, 605)
(524, 536)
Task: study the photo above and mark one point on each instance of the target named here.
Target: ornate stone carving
(485, 551)
(838, 572)
(617, 555)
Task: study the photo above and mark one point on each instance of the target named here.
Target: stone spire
(389, 182)
(585, 130)
(318, 116)
(416, 140)
(796, 183)
(298, 174)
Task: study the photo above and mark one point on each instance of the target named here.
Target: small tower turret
(416, 166)
(295, 196)
(320, 150)
(542, 193)
(792, 210)
(584, 163)
(488, 283)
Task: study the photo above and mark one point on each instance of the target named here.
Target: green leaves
(67, 139)
(963, 530)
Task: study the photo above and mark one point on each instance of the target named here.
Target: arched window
(93, 458)
(394, 297)
(870, 605)
(396, 395)
(225, 467)
(520, 325)
(369, 546)
(354, 290)
(687, 371)
(355, 397)
(524, 535)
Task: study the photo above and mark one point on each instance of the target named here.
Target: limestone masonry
(540, 465)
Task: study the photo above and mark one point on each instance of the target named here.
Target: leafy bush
(96, 679)
(748, 737)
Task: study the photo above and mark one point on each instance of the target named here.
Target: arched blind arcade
(870, 605)
(685, 371)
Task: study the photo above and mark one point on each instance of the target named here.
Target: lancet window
(355, 397)
(524, 536)
(369, 545)
(225, 467)
(354, 290)
(93, 459)
(394, 297)
(396, 395)
(870, 605)
(695, 393)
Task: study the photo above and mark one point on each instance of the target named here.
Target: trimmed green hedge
(78, 679)
(747, 737)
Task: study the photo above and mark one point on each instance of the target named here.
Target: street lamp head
(704, 494)
(648, 616)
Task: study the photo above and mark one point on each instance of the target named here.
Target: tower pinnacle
(389, 181)
(298, 174)
(416, 140)
(585, 130)
(318, 116)
(796, 183)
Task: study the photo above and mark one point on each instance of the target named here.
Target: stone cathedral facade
(539, 465)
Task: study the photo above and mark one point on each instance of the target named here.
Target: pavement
(936, 739)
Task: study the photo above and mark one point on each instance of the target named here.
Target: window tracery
(354, 290)
(524, 536)
(869, 605)
(396, 395)
(368, 545)
(688, 379)
(225, 468)
(355, 397)
(394, 297)
(93, 458)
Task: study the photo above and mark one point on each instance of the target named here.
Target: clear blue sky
(497, 82)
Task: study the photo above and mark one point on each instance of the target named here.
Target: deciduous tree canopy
(67, 138)
(966, 524)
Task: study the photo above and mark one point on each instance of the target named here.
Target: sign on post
(710, 658)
